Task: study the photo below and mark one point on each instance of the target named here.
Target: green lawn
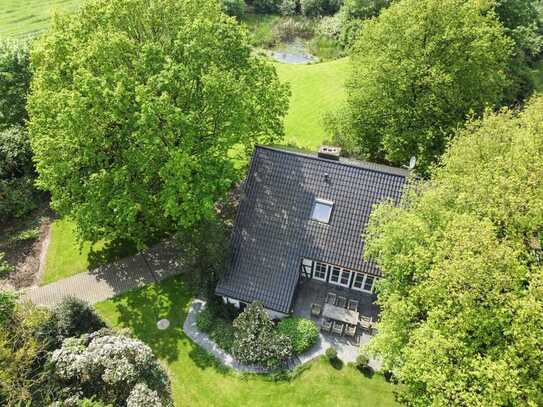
(19, 18)
(316, 89)
(67, 257)
(198, 381)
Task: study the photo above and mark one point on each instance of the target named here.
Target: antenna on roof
(412, 163)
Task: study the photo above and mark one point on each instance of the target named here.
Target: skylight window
(322, 210)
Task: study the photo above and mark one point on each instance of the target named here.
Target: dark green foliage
(206, 248)
(92, 403)
(234, 8)
(15, 76)
(256, 342)
(289, 7)
(331, 354)
(266, 6)
(317, 8)
(17, 193)
(211, 320)
(303, 333)
(70, 318)
(205, 320)
(8, 302)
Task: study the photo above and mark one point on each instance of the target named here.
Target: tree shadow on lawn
(140, 310)
(204, 360)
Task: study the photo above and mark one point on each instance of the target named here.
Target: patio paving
(314, 292)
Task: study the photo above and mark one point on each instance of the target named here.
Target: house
(302, 217)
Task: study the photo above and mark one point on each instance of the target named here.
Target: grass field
(19, 18)
(316, 89)
(198, 381)
(66, 257)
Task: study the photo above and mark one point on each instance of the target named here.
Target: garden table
(340, 314)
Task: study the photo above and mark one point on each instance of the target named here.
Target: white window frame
(326, 271)
(342, 272)
(361, 288)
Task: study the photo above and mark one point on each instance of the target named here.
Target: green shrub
(234, 8)
(8, 303)
(331, 354)
(205, 319)
(5, 267)
(222, 333)
(317, 8)
(70, 318)
(266, 6)
(303, 333)
(288, 7)
(325, 48)
(255, 340)
(361, 362)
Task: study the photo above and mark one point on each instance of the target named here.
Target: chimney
(330, 153)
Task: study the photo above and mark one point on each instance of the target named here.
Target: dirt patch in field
(23, 242)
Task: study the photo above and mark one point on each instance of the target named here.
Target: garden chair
(326, 325)
(316, 310)
(352, 305)
(365, 323)
(350, 330)
(330, 298)
(341, 302)
(337, 327)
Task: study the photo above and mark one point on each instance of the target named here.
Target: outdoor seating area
(339, 312)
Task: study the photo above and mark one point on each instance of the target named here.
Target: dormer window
(322, 210)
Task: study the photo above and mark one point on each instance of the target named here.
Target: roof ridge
(382, 168)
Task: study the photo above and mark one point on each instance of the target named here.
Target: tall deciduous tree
(417, 70)
(141, 109)
(462, 297)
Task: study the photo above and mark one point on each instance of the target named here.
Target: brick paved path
(105, 282)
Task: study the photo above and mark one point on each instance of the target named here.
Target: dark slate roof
(273, 229)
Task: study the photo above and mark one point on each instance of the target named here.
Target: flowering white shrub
(256, 341)
(141, 395)
(111, 367)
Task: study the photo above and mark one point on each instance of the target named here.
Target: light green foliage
(5, 267)
(136, 107)
(417, 70)
(462, 297)
(198, 380)
(303, 333)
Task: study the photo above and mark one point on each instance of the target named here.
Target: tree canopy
(141, 112)
(462, 297)
(418, 70)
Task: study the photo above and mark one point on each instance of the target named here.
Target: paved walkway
(346, 352)
(157, 263)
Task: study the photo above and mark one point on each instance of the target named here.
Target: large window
(364, 282)
(320, 272)
(340, 276)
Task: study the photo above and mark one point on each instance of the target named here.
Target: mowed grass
(67, 257)
(20, 18)
(316, 89)
(197, 379)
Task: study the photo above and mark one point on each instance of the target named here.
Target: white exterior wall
(271, 313)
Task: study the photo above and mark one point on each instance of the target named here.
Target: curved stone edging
(203, 340)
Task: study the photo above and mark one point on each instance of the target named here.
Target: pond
(293, 52)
